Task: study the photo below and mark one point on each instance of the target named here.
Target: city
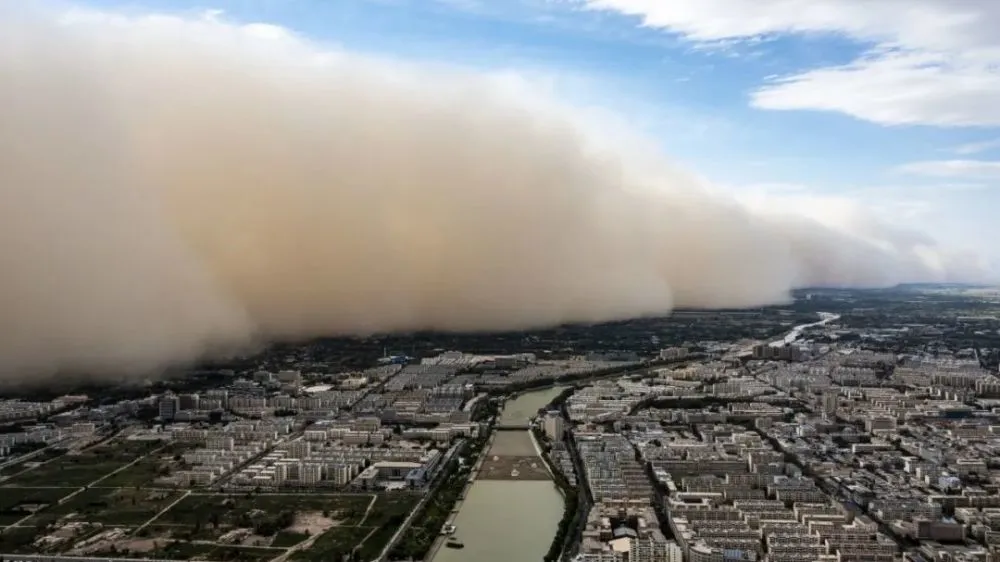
(846, 426)
(499, 281)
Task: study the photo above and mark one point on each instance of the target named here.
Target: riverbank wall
(473, 475)
(518, 457)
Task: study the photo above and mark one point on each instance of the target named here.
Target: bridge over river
(513, 426)
(503, 518)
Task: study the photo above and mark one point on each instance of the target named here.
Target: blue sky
(894, 104)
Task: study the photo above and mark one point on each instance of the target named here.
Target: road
(220, 484)
(161, 512)
(60, 443)
(28, 456)
(584, 500)
(307, 544)
(836, 493)
(71, 495)
(438, 479)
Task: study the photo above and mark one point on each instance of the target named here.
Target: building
(941, 531)
(554, 426)
(188, 401)
(673, 353)
(674, 553)
(831, 400)
(169, 406)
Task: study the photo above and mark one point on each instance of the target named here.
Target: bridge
(513, 426)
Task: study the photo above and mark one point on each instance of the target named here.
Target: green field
(386, 517)
(195, 526)
(187, 551)
(369, 535)
(149, 468)
(17, 539)
(209, 516)
(288, 538)
(192, 551)
(40, 457)
(334, 544)
(18, 503)
(126, 507)
(74, 496)
(206, 517)
(80, 469)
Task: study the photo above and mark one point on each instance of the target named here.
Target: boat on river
(454, 543)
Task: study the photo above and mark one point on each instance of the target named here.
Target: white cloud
(932, 62)
(970, 169)
(719, 20)
(893, 89)
(976, 147)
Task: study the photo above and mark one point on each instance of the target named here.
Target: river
(509, 520)
(796, 332)
(521, 409)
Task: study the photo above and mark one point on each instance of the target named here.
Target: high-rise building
(299, 449)
(310, 473)
(188, 401)
(221, 443)
(831, 400)
(653, 547)
(169, 404)
(554, 426)
(674, 552)
(290, 377)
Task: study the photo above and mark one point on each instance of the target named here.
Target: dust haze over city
(176, 186)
